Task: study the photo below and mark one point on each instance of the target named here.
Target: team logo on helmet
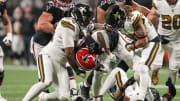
(85, 60)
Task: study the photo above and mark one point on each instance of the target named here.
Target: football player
(7, 40)
(53, 12)
(169, 28)
(103, 6)
(145, 43)
(152, 96)
(54, 56)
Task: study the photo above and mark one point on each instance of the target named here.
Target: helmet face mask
(64, 5)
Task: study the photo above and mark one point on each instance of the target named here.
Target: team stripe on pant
(118, 78)
(41, 68)
(152, 54)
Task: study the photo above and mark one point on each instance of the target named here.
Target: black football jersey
(105, 4)
(145, 3)
(2, 8)
(56, 12)
(43, 38)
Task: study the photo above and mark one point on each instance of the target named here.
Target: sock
(71, 78)
(97, 80)
(173, 76)
(89, 80)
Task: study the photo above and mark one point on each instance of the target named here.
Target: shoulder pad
(68, 22)
(136, 17)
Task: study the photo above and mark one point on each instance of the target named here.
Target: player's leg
(157, 64)
(46, 70)
(72, 79)
(86, 85)
(174, 59)
(1, 72)
(63, 81)
(97, 82)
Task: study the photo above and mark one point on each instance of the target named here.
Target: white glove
(8, 39)
(113, 58)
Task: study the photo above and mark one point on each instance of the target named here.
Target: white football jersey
(133, 21)
(169, 20)
(66, 33)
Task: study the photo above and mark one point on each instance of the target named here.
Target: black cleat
(84, 90)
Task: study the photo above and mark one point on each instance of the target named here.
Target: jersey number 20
(167, 20)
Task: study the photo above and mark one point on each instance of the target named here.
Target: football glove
(8, 39)
(128, 46)
(130, 81)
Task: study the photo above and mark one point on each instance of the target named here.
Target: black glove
(130, 81)
(164, 39)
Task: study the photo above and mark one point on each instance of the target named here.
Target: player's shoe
(155, 77)
(41, 96)
(84, 90)
(75, 95)
(2, 98)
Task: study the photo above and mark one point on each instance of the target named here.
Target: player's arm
(100, 15)
(140, 8)
(44, 23)
(103, 43)
(8, 28)
(7, 22)
(69, 44)
(142, 40)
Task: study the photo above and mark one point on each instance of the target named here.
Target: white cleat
(2, 99)
(41, 96)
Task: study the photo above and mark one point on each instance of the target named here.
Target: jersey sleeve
(105, 4)
(136, 19)
(69, 33)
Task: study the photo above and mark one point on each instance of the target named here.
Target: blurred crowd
(23, 15)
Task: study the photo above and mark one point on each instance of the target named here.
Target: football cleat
(155, 77)
(84, 91)
(2, 98)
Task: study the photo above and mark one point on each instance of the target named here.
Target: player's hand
(8, 39)
(129, 46)
(81, 73)
(130, 81)
(113, 58)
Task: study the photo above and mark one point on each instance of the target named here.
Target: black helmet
(83, 14)
(115, 16)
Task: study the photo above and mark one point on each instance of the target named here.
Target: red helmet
(64, 5)
(85, 60)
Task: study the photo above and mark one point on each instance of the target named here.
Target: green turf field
(19, 79)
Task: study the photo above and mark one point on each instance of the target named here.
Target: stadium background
(20, 76)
